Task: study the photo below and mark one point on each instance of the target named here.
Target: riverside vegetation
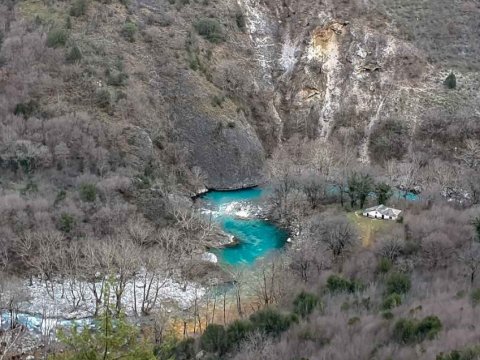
(114, 114)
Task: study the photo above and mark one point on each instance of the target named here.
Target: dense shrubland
(376, 301)
(411, 292)
(95, 186)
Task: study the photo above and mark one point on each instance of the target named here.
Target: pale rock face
(261, 28)
(209, 257)
(136, 146)
(324, 47)
(288, 59)
(318, 67)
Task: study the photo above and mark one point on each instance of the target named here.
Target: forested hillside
(116, 114)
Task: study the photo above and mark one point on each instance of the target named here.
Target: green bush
(338, 284)
(387, 315)
(116, 78)
(271, 321)
(384, 265)
(218, 101)
(475, 296)
(27, 109)
(74, 55)
(166, 350)
(383, 191)
(103, 98)
(112, 335)
(428, 328)
(129, 30)
(211, 30)
(305, 303)
(88, 192)
(66, 223)
(27, 164)
(451, 81)
(476, 225)
(398, 283)
(409, 331)
(184, 350)
(194, 62)
(237, 331)
(214, 339)
(472, 353)
(57, 38)
(79, 8)
(391, 301)
(404, 331)
(353, 321)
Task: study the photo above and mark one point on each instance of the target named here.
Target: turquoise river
(255, 238)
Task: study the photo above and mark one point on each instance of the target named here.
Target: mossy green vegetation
(88, 192)
(112, 337)
(397, 283)
(410, 331)
(338, 284)
(57, 37)
(210, 29)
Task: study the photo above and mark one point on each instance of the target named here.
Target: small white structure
(382, 212)
(208, 256)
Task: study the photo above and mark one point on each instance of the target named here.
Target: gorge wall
(217, 86)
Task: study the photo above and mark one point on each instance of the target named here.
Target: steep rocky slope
(348, 66)
(207, 90)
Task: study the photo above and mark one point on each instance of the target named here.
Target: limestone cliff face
(212, 108)
(329, 72)
(317, 70)
(298, 68)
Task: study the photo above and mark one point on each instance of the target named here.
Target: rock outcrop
(217, 138)
(332, 69)
(135, 146)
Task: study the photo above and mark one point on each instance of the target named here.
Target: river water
(235, 212)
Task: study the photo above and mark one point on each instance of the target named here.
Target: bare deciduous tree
(8, 340)
(95, 270)
(121, 256)
(336, 233)
(436, 249)
(308, 258)
(391, 247)
(470, 155)
(470, 257)
(315, 188)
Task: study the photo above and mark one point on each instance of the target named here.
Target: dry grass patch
(368, 227)
(37, 10)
